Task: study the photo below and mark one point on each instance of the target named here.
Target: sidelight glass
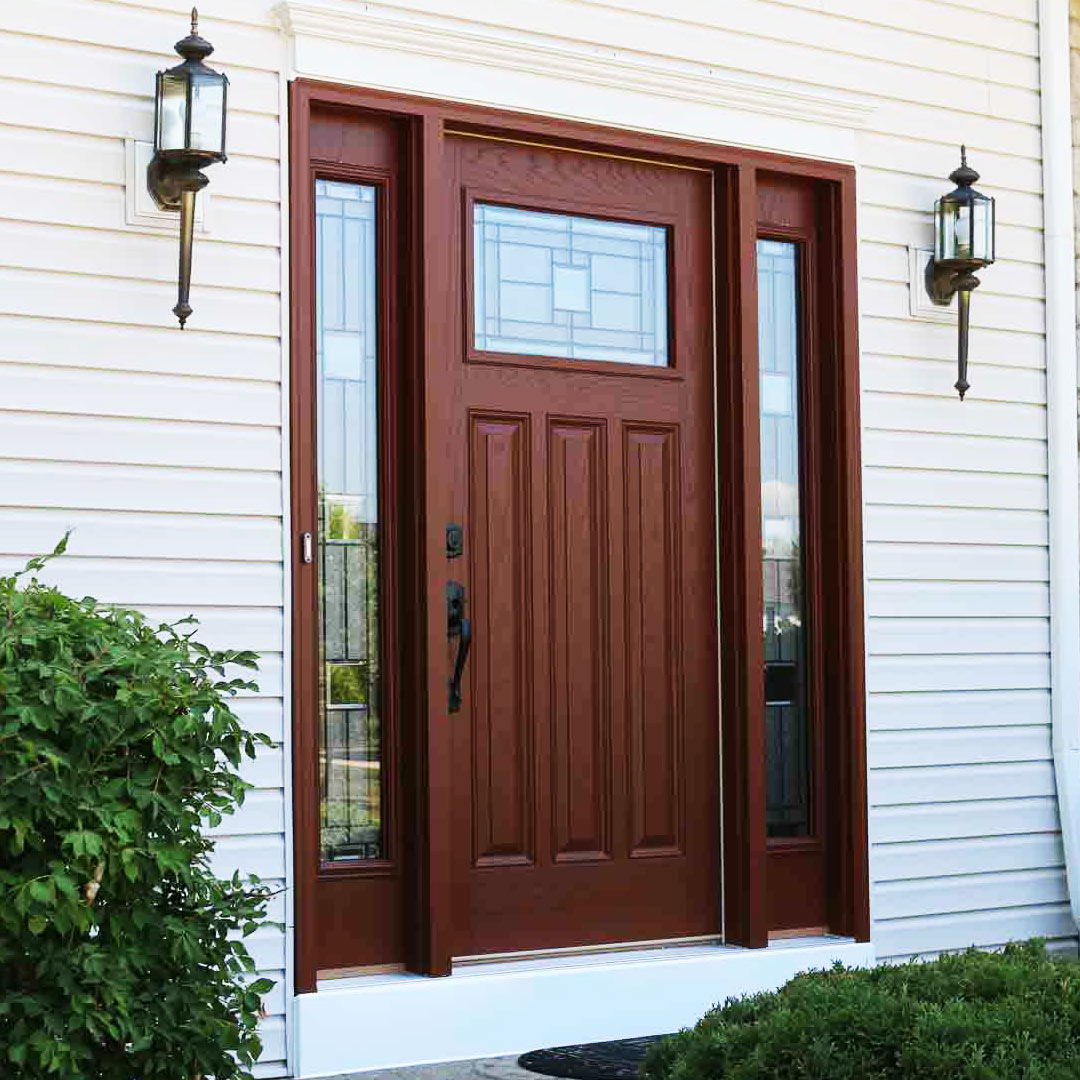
(787, 803)
(560, 285)
(351, 757)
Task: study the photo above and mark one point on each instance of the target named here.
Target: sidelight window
(787, 761)
(351, 740)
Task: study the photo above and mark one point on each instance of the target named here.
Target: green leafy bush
(120, 953)
(976, 1016)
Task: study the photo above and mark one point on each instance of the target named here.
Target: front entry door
(585, 753)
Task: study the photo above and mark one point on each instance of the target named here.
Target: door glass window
(577, 287)
(352, 822)
(786, 728)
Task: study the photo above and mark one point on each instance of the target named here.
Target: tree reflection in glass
(787, 802)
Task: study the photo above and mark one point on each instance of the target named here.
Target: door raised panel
(651, 500)
(502, 717)
(579, 636)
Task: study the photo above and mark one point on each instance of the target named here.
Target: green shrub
(120, 956)
(975, 1016)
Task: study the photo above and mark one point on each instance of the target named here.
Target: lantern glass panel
(942, 229)
(962, 232)
(951, 230)
(172, 112)
(982, 230)
(208, 113)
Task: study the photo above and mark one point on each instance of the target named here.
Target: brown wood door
(585, 756)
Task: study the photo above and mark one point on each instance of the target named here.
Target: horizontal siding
(917, 673)
(987, 928)
(960, 783)
(942, 859)
(965, 847)
(47, 200)
(968, 746)
(149, 581)
(907, 712)
(154, 397)
(101, 535)
(998, 816)
(114, 254)
(80, 344)
(160, 451)
(916, 898)
(958, 526)
(958, 599)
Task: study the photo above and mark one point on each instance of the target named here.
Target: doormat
(618, 1060)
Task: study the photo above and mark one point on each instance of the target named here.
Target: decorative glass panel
(787, 801)
(558, 285)
(351, 750)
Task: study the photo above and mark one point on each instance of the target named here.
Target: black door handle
(457, 626)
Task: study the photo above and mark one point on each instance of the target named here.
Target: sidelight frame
(798, 883)
(420, 337)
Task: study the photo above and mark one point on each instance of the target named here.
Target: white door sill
(510, 1006)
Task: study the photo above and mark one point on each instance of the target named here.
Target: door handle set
(457, 626)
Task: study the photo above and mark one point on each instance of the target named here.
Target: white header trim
(490, 45)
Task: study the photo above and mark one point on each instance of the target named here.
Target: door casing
(424, 276)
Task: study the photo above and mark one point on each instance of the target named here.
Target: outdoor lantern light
(963, 243)
(189, 134)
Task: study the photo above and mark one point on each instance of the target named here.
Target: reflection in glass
(787, 801)
(350, 752)
(558, 285)
(173, 134)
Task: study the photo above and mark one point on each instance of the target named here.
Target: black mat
(618, 1060)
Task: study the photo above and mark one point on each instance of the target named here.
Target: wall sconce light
(189, 134)
(964, 229)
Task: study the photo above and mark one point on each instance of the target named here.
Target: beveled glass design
(565, 286)
(964, 222)
(787, 761)
(190, 106)
(172, 115)
(965, 230)
(351, 758)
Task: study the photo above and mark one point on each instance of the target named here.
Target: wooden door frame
(426, 269)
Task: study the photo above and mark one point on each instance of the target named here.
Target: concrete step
(497, 1068)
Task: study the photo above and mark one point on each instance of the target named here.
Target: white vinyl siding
(160, 449)
(163, 449)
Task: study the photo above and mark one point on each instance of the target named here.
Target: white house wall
(164, 449)
(161, 449)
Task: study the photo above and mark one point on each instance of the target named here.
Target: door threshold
(588, 950)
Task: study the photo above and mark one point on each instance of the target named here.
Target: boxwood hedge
(1013, 1015)
(120, 952)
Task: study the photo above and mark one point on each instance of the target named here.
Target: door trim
(428, 208)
